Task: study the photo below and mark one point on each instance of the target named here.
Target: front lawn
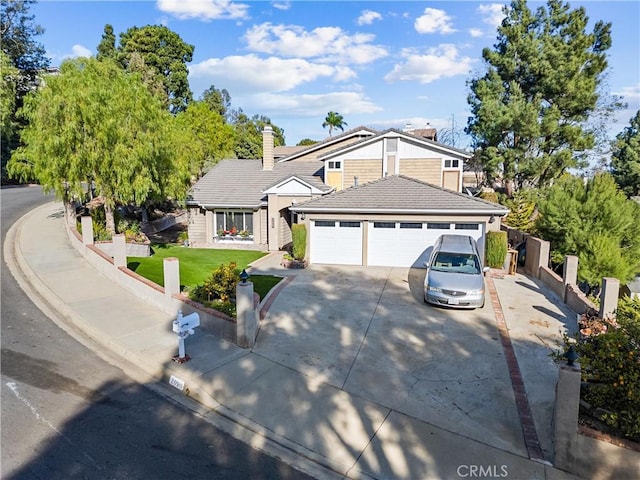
(197, 264)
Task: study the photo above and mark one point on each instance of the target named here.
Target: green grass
(197, 264)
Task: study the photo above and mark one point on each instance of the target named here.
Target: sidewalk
(245, 390)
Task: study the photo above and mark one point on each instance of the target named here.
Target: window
(234, 221)
(467, 226)
(384, 225)
(350, 224)
(335, 165)
(438, 226)
(411, 225)
(392, 145)
(451, 163)
(325, 223)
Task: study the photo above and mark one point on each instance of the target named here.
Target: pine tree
(625, 159)
(596, 222)
(541, 85)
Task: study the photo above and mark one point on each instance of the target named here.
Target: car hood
(454, 281)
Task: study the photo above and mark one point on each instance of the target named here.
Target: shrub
(496, 249)
(489, 196)
(132, 231)
(609, 355)
(299, 233)
(221, 285)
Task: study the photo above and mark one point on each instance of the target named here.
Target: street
(68, 413)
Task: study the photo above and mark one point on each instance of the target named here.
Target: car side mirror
(486, 269)
(426, 264)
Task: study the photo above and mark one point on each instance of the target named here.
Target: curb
(157, 378)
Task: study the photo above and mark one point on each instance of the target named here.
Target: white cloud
(203, 9)
(80, 51)
(491, 14)
(252, 74)
(475, 32)
(76, 51)
(367, 17)
(631, 96)
(309, 105)
(440, 62)
(327, 44)
(434, 21)
(282, 5)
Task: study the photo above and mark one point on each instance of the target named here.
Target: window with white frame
(230, 222)
(451, 163)
(335, 165)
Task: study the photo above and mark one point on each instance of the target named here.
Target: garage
(336, 242)
(391, 222)
(406, 244)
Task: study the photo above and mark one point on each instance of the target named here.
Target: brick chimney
(267, 148)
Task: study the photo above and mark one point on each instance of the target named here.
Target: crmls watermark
(482, 471)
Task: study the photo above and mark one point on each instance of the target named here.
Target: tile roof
(398, 193)
(240, 183)
(425, 141)
(327, 141)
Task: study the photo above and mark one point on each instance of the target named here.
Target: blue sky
(380, 64)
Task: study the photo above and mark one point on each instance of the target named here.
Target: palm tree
(334, 120)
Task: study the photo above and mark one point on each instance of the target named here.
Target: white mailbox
(186, 323)
(184, 326)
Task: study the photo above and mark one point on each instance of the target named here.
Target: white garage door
(406, 244)
(336, 242)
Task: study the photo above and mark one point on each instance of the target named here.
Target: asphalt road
(68, 414)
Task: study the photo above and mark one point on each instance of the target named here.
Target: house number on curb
(176, 382)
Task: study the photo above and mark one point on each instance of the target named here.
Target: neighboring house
(366, 197)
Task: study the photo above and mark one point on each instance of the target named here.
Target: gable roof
(358, 131)
(241, 183)
(392, 132)
(400, 194)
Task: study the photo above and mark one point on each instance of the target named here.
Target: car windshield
(456, 262)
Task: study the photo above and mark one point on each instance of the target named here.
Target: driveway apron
(367, 331)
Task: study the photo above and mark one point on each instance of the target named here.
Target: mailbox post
(183, 326)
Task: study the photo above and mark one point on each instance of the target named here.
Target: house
(366, 198)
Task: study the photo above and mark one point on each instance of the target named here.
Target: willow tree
(541, 84)
(95, 124)
(206, 137)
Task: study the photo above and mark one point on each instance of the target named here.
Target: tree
(248, 135)
(167, 54)
(596, 222)
(8, 86)
(107, 45)
(218, 100)
(334, 120)
(23, 59)
(306, 142)
(452, 135)
(625, 159)
(530, 107)
(18, 33)
(208, 138)
(522, 210)
(96, 124)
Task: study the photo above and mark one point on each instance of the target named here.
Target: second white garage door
(336, 242)
(406, 244)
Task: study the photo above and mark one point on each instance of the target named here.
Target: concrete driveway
(367, 331)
